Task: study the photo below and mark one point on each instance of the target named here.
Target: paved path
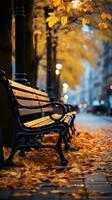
(94, 122)
(96, 185)
(99, 183)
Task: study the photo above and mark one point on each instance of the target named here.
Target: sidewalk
(88, 187)
(109, 118)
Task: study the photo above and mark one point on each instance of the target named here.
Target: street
(94, 122)
(88, 175)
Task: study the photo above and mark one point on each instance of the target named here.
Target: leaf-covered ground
(42, 166)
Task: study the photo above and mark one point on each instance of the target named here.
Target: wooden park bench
(33, 115)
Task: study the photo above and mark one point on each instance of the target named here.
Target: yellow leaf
(61, 7)
(64, 20)
(104, 15)
(103, 25)
(85, 21)
(109, 16)
(51, 14)
(75, 170)
(37, 32)
(51, 23)
(56, 191)
(13, 173)
(68, 8)
(56, 3)
(52, 19)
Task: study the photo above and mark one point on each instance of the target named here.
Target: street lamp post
(20, 75)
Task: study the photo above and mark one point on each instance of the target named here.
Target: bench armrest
(58, 111)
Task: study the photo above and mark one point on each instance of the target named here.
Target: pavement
(94, 122)
(96, 185)
(88, 187)
(109, 118)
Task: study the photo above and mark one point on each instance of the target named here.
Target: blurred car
(100, 109)
(89, 109)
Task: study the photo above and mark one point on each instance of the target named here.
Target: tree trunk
(5, 64)
(50, 86)
(30, 68)
(5, 36)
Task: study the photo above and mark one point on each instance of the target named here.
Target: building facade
(96, 86)
(107, 76)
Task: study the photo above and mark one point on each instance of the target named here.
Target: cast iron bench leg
(72, 127)
(9, 161)
(59, 150)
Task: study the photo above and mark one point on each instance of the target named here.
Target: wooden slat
(44, 123)
(20, 86)
(44, 103)
(42, 98)
(25, 95)
(41, 93)
(26, 88)
(47, 109)
(25, 102)
(35, 103)
(24, 111)
(67, 120)
(36, 121)
(39, 122)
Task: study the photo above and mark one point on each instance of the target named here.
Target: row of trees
(66, 18)
(71, 43)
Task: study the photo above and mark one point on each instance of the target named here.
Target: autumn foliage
(80, 10)
(41, 166)
(74, 46)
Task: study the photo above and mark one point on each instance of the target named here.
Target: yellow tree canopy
(67, 19)
(39, 30)
(63, 13)
(74, 47)
(94, 12)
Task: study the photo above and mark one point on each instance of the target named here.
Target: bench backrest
(25, 100)
(18, 104)
(30, 101)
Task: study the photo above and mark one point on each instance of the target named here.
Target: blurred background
(73, 60)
